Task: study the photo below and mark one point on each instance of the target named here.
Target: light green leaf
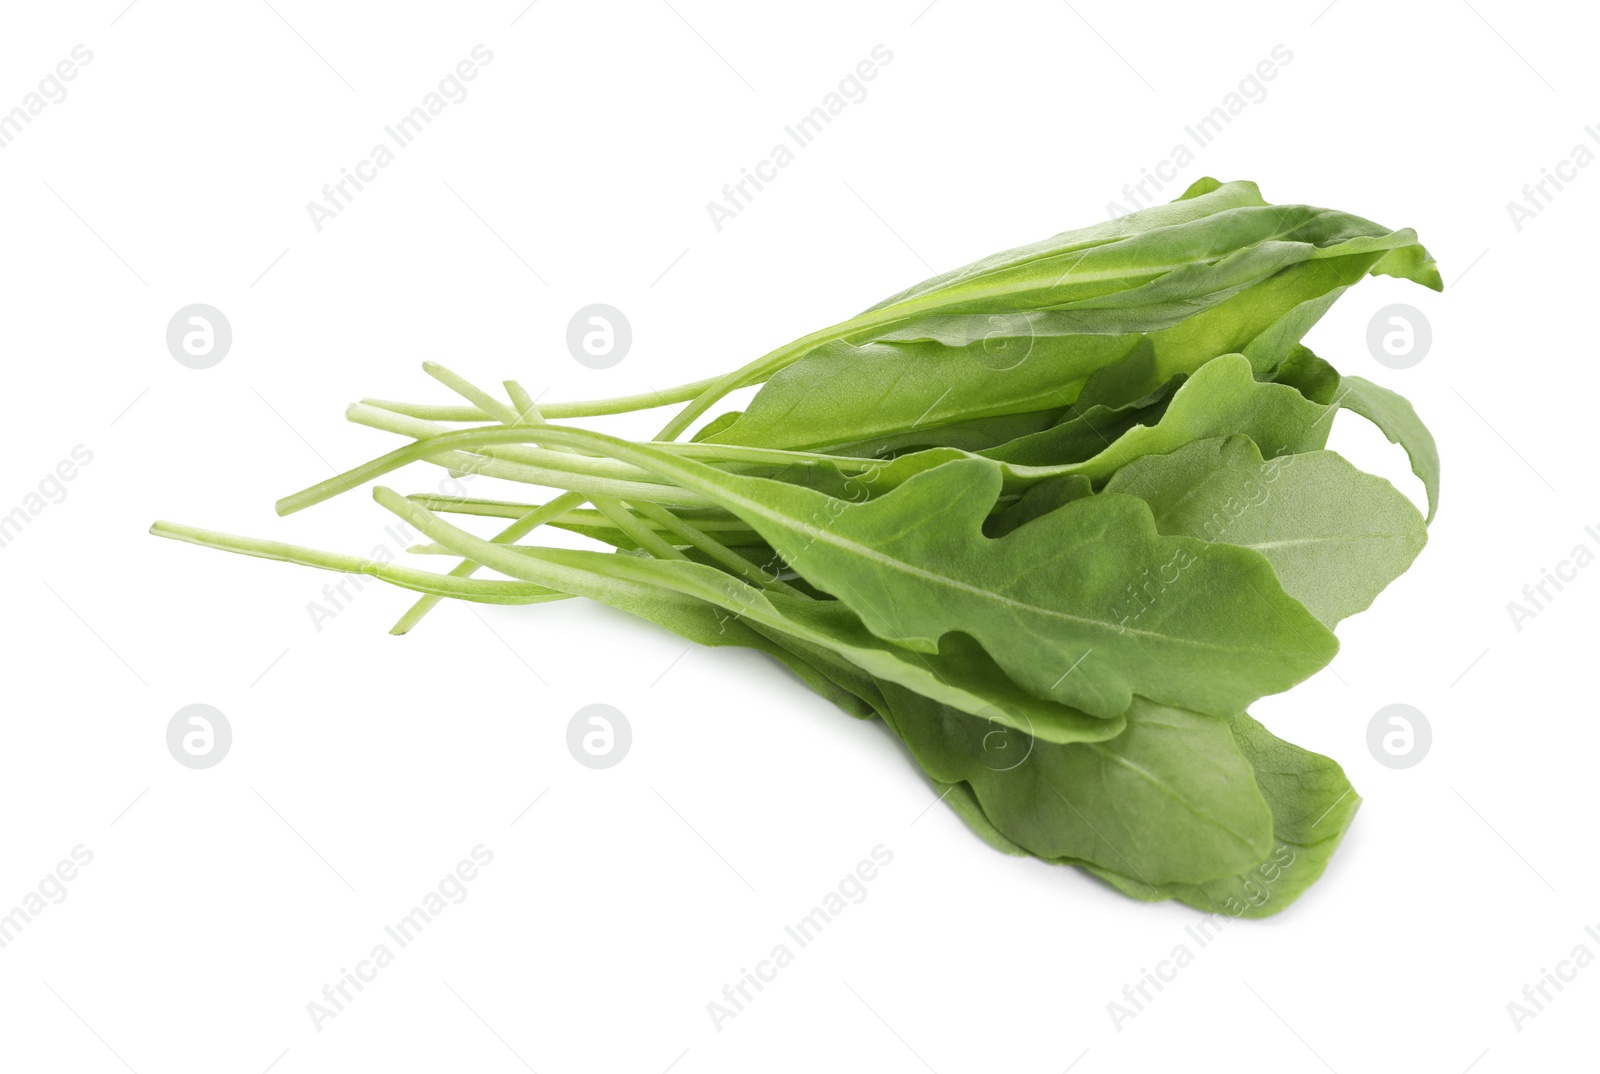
(1335, 536)
(1394, 416)
(1312, 805)
(1171, 799)
(880, 392)
(1222, 398)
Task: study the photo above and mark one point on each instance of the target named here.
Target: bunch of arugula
(1057, 518)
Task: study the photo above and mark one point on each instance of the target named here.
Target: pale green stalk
(510, 535)
(479, 590)
(594, 408)
(714, 548)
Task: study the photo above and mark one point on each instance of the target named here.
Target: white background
(220, 902)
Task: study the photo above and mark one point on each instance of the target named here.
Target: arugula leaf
(1084, 432)
(842, 394)
(1394, 416)
(1171, 799)
(1335, 536)
(1221, 398)
(1311, 802)
(1312, 805)
(1310, 375)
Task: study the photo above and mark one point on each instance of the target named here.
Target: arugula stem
(772, 362)
(752, 373)
(420, 429)
(527, 407)
(732, 453)
(526, 413)
(558, 471)
(596, 575)
(466, 505)
(471, 393)
(594, 408)
(714, 548)
(563, 472)
(479, 590)
(525, 410)
(510, 535)
(642, 535)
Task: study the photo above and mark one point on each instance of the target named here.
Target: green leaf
(961, 798)
(1041, 498)
(1084, 433)
(975, 434)
(1309, 798)
(1394, 416)
(842, 394)
(1312, 805)
(1335, 536)
(1158, 263)
(1171, 799)
(1222, 398)
(1310, 375)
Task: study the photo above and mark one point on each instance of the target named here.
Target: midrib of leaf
(1291, 542)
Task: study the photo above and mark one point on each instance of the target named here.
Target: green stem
(511, 534)
(608, 578)
(482, 591)
(563, 461)
(523, 526)
(528, 411)
(419, 429)
(445, 451)
(471, 393)
(642, 535)
(753, 373)
(763, 368)
(466, 505)
(714, 548)
(594, 408)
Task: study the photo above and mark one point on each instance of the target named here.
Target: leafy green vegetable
(1169, 799)
(1222, 398)
(1057, 518)
(1399, 422)
(1312, 805)
(1335, 536)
